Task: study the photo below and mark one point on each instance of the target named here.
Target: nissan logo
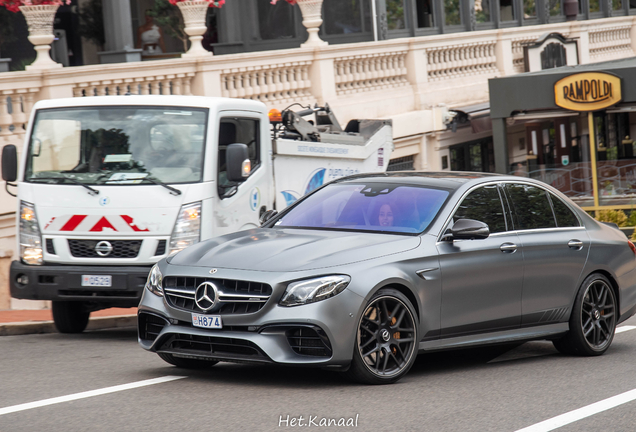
(103, 248)
(206, 296)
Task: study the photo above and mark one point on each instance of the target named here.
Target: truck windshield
(117, 145)
(385, 207)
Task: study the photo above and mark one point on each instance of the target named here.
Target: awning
(476, 116)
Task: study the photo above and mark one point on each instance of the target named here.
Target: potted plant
(194, 12)
(39, 15)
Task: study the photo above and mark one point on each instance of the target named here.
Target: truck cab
(107, 186)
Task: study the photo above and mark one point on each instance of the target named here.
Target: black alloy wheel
(386, 339)
(593, 319)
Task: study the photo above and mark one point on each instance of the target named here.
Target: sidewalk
(21, 322)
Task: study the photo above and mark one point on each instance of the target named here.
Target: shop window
(507, 10)
(424, 9)
(529, 9)
(475, 156)
(405, 163)
(482, 11)
(452, 12)
(276, 21)
(395, 14)
(484, 205)
(346, 16)
(531, 206)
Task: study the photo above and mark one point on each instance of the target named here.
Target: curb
(97, 323)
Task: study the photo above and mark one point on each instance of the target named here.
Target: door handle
(575, 244)
(508, 247)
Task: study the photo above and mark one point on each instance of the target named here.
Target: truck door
(239, 205)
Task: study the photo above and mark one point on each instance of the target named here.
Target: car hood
(282, 250)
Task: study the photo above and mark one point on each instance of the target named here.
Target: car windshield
(382, 207)
(117, 145)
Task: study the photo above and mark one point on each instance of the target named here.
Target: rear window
(368, 207)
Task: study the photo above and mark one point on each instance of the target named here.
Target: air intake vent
(161, 248)
(150, 326)
(49, 247)
(309, 341)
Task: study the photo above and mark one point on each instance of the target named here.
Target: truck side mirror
(238, 162)
(9, 163)
(265, 217)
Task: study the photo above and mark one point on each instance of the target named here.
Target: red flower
(14, 5)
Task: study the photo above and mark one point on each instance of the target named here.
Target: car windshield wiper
(91, 190)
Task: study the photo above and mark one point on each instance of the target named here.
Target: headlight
(155, 278)
(313, 290)
(187, 229)
(30, 236)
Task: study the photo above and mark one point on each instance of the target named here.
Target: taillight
(631, 246)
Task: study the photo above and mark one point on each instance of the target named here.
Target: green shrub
(615, 216)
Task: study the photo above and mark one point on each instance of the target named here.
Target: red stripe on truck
(73, 222)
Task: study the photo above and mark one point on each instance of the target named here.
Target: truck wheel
(186, 363)
(69, 317)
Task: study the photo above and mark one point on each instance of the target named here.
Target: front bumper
(270, 335)
(64, 282)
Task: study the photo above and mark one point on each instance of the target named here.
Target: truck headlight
(313, 290)
(155, 279)
(30, 236)
(187, 229)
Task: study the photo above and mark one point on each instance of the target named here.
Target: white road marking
(581, 413)
(87, 394)
(622, 329)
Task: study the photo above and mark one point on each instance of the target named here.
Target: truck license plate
(97, 281)
(207, 321)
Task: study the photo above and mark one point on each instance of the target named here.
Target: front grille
(236, 348)
(150, 326)
(161, 248)
(309, 341)
(235, 297)
(49, 247)
(121, 248)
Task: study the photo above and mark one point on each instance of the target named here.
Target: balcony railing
(370, 79)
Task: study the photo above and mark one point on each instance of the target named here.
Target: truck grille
(121, 248)
(235, 297)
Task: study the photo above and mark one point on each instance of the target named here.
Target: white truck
(107, 186)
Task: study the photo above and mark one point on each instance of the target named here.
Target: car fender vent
(149, 326)
(309, 341)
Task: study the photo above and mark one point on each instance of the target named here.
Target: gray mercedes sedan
(369, 270)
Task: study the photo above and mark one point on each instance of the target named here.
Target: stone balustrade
(368, 79)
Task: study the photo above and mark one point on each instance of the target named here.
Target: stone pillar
(503, 53)
(120, 43)
(323, 82)
(500, 145)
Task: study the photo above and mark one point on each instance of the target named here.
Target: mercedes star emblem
(206, 296)
(103, 248)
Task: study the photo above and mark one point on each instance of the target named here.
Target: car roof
(446, 179)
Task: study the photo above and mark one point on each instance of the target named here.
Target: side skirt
(529, 333)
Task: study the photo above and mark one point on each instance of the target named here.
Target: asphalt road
(505, 388)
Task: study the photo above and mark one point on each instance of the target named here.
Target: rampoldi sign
(589, 91)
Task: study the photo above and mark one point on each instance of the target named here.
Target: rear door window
(531, 206)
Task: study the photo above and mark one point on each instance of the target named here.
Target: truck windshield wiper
(173, 191)
(72, 180)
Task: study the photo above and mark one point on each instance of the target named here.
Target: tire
(70, 317)
(386, 342)
(593, 319)
(186, 363)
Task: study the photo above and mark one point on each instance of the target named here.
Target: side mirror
(267, 216)
(469, 229)
(238, 162)
(9, 163)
